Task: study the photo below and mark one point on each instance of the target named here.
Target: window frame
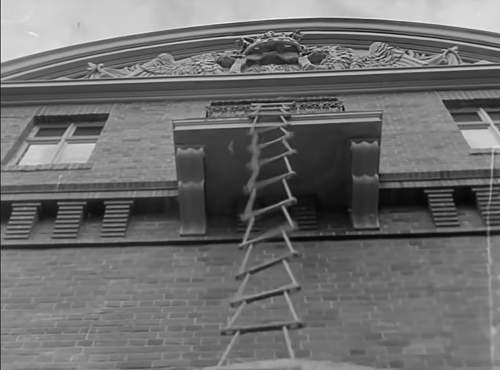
(485, 123)
(60, 142)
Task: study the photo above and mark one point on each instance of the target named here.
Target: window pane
(87, 131)
(480, 138)
(75, 152)
(50, 131)
(466, 117)
(39, 154)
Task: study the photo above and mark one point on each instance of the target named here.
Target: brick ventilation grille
(68, 220)
(304, 213)
(116, 217)
(491, 215)
(442, 207)
(21, 221)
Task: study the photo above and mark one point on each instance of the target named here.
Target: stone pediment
(279, 52)
(323, 44)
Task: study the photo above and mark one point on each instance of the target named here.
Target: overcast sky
(31, 26)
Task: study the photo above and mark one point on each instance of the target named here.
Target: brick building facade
(109, 260)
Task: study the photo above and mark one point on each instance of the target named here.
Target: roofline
(191, 40)
(251, 85)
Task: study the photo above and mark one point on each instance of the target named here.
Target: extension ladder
(275, 117)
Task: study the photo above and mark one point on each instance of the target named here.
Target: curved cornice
(184, 42)
(248, 86)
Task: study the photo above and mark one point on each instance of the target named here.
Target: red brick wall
(135, 145)
(411, 304)
(418, 134)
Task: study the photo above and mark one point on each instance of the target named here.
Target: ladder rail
(281, 113)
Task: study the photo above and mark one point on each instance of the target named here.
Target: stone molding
(95, 186)
(185, 42)
(196, 241)
(464, 77)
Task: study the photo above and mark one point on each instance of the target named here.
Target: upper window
(480, 126)
(54, 140)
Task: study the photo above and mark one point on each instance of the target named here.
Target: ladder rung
(267, 128)
(254, 213)
(265, 294)
(272, 105)
(286, 136)
(265, 161)
(269, 234)
(263, 183)
(277, 325)
(266, 264)
(263, 114)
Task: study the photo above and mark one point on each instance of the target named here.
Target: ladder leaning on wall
(268, 130)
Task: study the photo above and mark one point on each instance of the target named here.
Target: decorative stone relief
(278, 52)
(298, 105)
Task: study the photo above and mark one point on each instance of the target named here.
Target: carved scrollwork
(278, 52)
(302, 105)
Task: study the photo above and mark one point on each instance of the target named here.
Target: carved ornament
(301, 105)
(278, 52)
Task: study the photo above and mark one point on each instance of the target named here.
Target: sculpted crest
(279, 52)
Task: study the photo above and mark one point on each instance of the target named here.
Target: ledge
(88, 190)
(196, 241)
(436, 183)
(474, 175)
(47, 167)
(485, 151)
(83, 195)
(252, 85)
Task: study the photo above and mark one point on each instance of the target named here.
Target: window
(66, 139)
(480, 126)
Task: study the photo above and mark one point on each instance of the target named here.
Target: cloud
(67, 22)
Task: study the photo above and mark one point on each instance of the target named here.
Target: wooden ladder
(267, 119)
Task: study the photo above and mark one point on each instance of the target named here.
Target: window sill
(47, 167)
(484, 151)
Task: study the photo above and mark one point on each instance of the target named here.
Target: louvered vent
(22, 219)
(442, 207)
(304, 213)
(68, 220)
(489, 208)
(115, 220)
